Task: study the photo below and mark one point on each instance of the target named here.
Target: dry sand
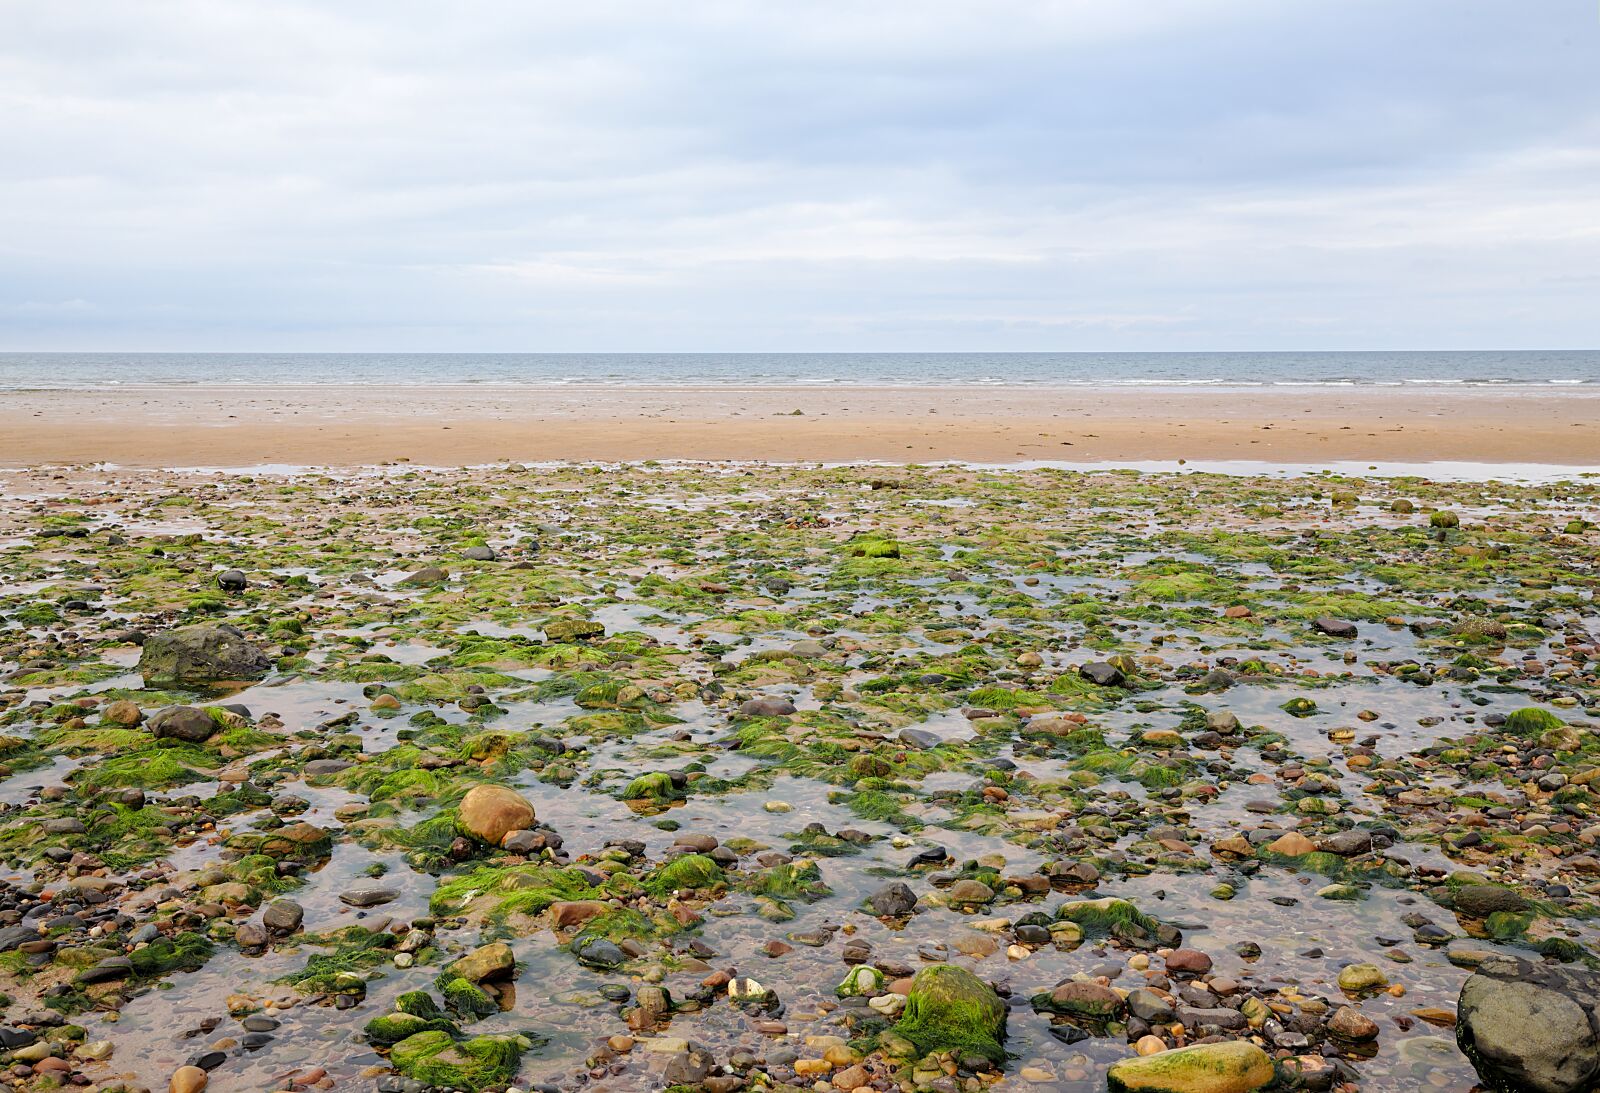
(458, 425)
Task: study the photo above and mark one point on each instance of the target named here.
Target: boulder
(766, 707)
(492, 961)
(203, 653)
(950, 1009)
(1533, 1027)
(490, 813)
(893, 900)
(1483, 900)
(283, 916)
(1334, 628)
(188, 723)
(1233, 1067)
(1102, 674)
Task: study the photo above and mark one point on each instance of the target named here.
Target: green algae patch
(483, 1062)
(800, 880)
(515, 889)
(950, 1009)
(687, 872)
(356, 950)
(1237, 1066)
(657, 786)
(184, 952)
(1531, 721)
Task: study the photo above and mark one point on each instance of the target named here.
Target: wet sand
(240, 426)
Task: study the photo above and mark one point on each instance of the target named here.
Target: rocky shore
(725, 777)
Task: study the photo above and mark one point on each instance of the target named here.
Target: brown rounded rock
(187, 1079)
(490, 813)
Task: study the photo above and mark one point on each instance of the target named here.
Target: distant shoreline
(228, 426)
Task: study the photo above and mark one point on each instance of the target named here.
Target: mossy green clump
(792, 880)
(394, 1027)
(686, 872)
(655, 786)
(1233, 1065)
(1443, 519)
(434, 1057)
(186, 952)
(1099, 917)
(514, 889)
(950, 1009)
(356, 950)
(618, 924)
(1531, 721)
(874, 547)
(464, 997)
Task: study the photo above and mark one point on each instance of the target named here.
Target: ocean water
(69, 371)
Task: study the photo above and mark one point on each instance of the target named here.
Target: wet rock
(110, 969)
(1533, 1027)
(1334, 628)
(766, 707)
(921, 739)
(283, 916)
(479, 554)
(368, 895)
(203, 653)
(1349, 1023)
(188, 1079)
(485, 963)
(1346, 843)
(1102, 674)
(122, 712)
(232, 580)
(597, 952)
(1483, 900)
(488, 813)
(189, 723)
(968, 892)
(1081, 998)
(426, 577)
(893, 900)
(1233, 1067)
(1188, 962)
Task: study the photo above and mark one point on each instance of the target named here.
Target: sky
(753, 175)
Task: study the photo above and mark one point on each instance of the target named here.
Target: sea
(1482, 369)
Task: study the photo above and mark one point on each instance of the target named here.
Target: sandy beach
(342, 426)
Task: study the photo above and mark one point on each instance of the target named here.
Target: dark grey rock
(189, 723)
(1533, 1027)
(203, 653)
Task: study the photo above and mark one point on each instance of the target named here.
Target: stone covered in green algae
(950, 1009)
(1235, 1067)
(434, 1057)
(688, 871)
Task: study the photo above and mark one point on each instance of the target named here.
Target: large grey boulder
(204, 653)
(1532, 1027)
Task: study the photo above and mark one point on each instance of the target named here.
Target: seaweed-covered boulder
(950, 1009)
(189, 723)
(1532, 1027)
(1237, 1066)
(483, 1062)
(490, 813)
(1483, 900)
(204, 653)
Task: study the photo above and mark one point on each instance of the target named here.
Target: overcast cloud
(1159, 174)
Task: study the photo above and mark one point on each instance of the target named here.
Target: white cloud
(732, 175)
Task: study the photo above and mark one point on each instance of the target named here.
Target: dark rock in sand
(201, 654)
